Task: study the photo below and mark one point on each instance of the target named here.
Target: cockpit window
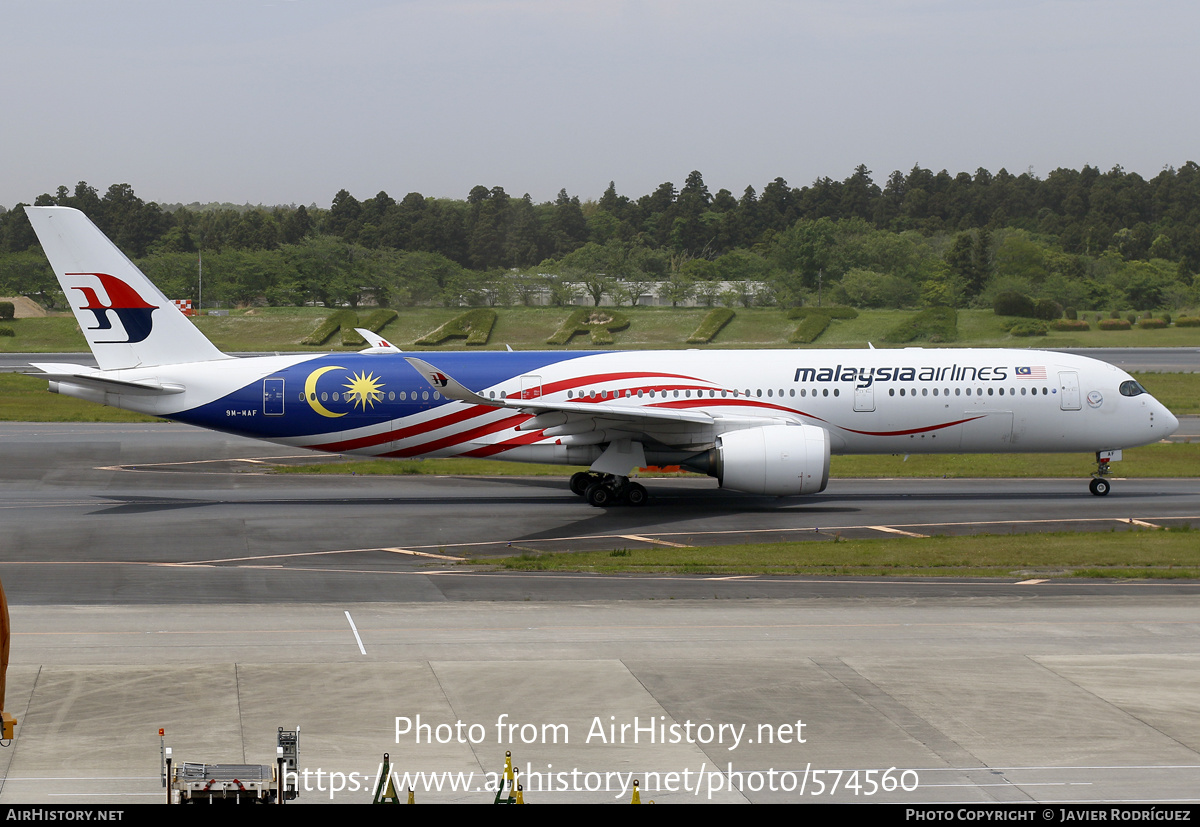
(1131, 388)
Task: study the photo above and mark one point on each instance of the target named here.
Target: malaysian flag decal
(1032, 372)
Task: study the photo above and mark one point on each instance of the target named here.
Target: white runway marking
(356, 635)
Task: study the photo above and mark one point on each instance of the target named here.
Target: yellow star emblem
(363, 389)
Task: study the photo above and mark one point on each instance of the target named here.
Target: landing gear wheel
(600, 495)
(580, 482)
(636, 494)
(1099, 487)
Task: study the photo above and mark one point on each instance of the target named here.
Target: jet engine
(775, 459)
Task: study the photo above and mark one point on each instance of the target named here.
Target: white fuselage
(908, 400)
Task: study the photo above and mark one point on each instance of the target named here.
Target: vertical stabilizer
(126, 320)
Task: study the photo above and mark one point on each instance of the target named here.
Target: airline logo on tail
(132, 310)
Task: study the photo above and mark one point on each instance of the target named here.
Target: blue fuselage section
(344, 391)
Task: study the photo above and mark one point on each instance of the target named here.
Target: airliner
(760, 421)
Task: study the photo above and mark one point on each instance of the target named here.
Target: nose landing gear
(1099, 485)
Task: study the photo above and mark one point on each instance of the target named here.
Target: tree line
(1083, 238)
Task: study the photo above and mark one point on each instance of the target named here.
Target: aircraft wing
(633, 414)
(101, 380)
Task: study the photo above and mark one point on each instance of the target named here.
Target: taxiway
(155, 582)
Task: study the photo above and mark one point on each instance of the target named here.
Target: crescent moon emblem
(310, 391)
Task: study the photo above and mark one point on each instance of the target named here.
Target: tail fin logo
(132, 310)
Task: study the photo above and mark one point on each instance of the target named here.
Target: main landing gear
(603, 490)
(1099, 485)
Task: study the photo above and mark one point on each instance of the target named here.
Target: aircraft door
(1068, 388)
(864, 398)
(531, 387)
(273, 396)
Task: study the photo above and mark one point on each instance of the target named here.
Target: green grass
(1180, 392)
(1170, 553)
(528, 328)
(25, 399)
(1150, 461)
(50, 334)
(265, 329)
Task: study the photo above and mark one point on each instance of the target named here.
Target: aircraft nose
(1170, 421)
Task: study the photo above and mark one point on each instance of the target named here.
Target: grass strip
(1141, 554)
(935, 324)
(26, 399)
(527, 328)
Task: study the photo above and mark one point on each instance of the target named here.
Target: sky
(289, 101)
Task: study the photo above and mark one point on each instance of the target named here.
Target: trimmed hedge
(600, 323)
(475, 326)
(1188, 321)
(1070, 324)
(7, 331)
(835, 312)
(1152, 324)
(1047, 310)
(812, 324)
(1115, 324)
(937, 324)
(1029, 329)
(716, 319)
(332, 324)
(815, 320)
(1012, 303)
(376, 321)
(7, 311)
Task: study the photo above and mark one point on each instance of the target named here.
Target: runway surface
(155, 582)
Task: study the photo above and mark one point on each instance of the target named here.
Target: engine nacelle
(776, 459)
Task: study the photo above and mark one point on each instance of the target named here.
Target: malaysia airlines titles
(866, 377)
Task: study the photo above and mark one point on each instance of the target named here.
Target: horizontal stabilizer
(100, 380)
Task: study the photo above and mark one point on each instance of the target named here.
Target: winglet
(447, 385)
(375, 342)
